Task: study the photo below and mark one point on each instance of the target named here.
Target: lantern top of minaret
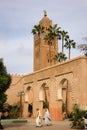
(45, 13)
(45, 21)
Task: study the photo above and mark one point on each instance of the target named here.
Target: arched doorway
(44, 95)
(29, 100)
(63, 95)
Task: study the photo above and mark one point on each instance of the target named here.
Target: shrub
(14, 111)
(45, 104)
(76, 117)
(10, 111)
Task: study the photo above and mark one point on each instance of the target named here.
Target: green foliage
(45, 104)
(14, 111)
(63, 36)
(76, 117)
(70, 44)
(63, 107)
(38, 29)
(60, 57)
(53, 33)
(83, 48)
(5, 80)
(64, 110)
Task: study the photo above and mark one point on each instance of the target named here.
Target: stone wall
(73, 73)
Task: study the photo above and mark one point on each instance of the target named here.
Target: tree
(63, 36)
(5, 80)
(60, 57)
(52, 35)
(83, 48)
(77, 117)
(38, 29)
(70, 44)
(54, 31)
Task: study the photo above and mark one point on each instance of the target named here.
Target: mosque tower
(41, 53)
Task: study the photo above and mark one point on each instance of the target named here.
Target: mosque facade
(61, 83)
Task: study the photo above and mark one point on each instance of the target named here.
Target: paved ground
(30, 125)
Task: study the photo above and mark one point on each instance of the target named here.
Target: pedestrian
(47, 117)
(38, 118)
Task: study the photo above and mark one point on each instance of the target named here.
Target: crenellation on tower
(17, 75)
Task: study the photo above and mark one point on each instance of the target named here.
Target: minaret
(41, 58)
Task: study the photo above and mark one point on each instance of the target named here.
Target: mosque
(61, 82)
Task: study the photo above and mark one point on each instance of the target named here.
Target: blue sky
(17, 18)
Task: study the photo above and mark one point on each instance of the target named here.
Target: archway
(63, 95)
(29, 100)
(44, 95)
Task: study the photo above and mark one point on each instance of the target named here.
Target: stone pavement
(30, 125)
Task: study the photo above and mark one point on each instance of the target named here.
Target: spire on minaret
(45, 13)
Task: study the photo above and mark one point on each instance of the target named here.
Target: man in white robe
(38, 119)
(47, 117)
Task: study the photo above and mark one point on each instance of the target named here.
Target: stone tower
(41, 53)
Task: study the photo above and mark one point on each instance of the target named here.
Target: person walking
(47, 117)
(38, 118)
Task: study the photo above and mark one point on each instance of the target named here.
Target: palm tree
(38, 29)
(70, 44)
(63, 36)
(53, 34)
(60, 57)
(54, 30)
(77, 118)
(83, 48)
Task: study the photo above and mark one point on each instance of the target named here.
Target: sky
(17, 18)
